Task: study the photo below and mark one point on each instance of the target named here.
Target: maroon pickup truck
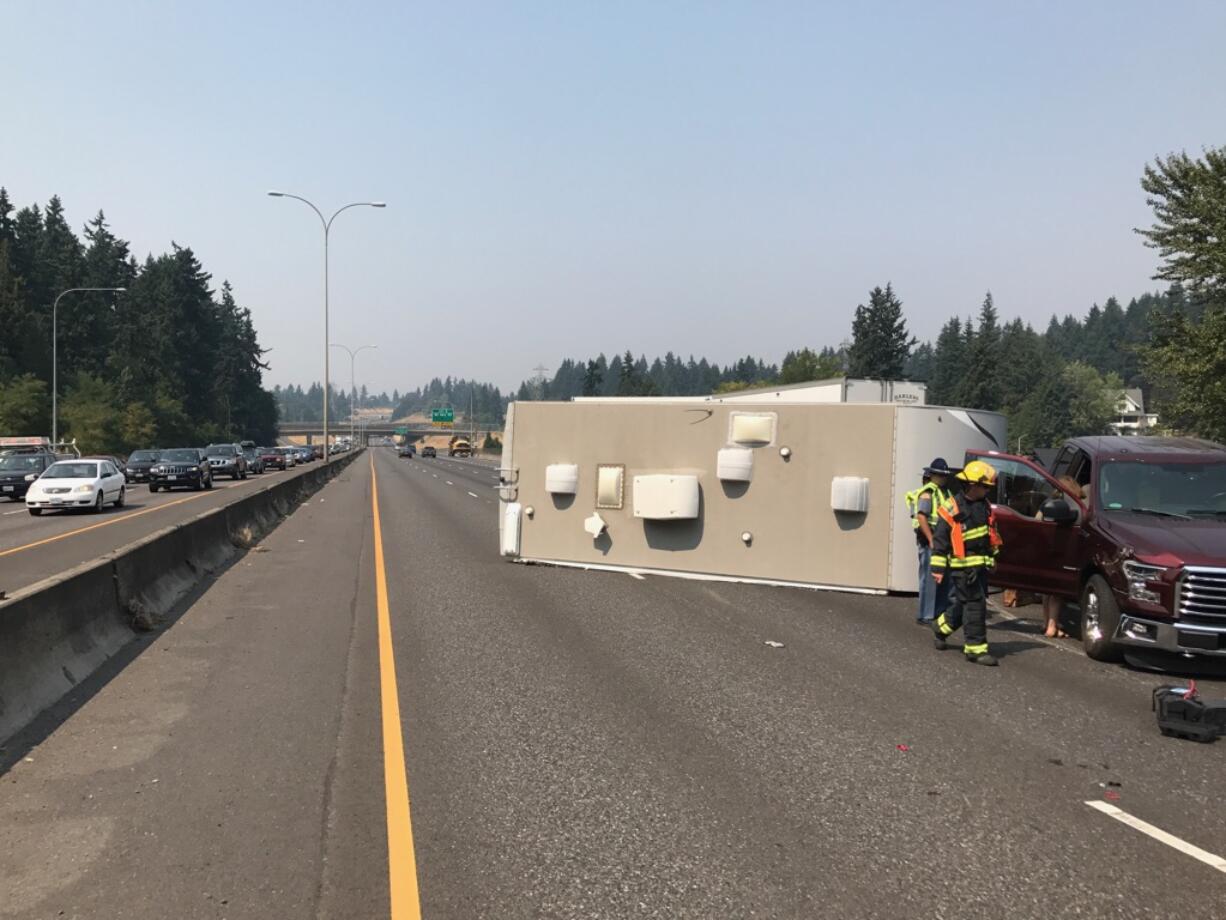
(1142, 548)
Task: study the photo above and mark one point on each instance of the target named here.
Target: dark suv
(19, 468)
(227, 460)
(1132, 528)
(138, 465)
(181, 467)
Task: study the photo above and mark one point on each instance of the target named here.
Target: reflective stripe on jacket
(965, 535)
(939, 497)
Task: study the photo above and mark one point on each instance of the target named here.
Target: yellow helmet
(979, 472)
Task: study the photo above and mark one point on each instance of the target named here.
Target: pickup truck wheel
(153, 487)
(1100, 618)
(35, 511)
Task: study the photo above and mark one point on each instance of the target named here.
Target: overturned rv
(742, 489)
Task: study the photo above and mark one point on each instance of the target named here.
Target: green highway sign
(442, 418)
(402, 430)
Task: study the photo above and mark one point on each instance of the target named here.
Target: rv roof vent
(666, 497)
(849, 493)
(751, 428)
(562, 478)
(734, 464)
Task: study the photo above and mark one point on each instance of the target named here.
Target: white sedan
(76, 484)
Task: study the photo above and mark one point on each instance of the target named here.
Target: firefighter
(964, 549)
(922, 505)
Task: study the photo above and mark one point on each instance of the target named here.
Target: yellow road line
(401, 858)
(116, 520)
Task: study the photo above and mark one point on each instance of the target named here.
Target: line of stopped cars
(51, 480)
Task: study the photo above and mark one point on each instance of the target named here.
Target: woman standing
(1052, 605)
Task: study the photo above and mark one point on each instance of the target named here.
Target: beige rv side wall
(785, 508)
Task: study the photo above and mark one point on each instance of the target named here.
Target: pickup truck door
(1037, 555)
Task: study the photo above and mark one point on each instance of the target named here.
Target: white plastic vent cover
(849, 493)
(610, 482)
(562, 478)
(734, 464)
(751, 427)
(666, 497)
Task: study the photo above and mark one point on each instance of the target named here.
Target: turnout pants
(969, 610)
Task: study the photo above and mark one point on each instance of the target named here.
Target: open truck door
(1038, 554)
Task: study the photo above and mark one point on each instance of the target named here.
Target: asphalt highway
(391, 717)
(34, 548)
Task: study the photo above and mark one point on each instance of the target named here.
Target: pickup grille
(1202, 596)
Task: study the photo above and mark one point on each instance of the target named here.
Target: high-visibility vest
(939, 497)
(959, 535)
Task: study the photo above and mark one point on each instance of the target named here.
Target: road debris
(773, 644)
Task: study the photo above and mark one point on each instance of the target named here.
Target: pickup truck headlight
(1138, 574)
(30, 477)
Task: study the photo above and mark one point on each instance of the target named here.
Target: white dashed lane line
(474, 494)
(449, 482)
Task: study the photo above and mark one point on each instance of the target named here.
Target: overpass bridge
(315, 430)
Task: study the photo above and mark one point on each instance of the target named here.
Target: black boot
(984, 659)
(938, 637)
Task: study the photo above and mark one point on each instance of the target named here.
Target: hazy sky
(565, 178)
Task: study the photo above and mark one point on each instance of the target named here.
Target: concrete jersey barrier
(56, 632)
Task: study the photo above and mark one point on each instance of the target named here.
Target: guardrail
(56, 632)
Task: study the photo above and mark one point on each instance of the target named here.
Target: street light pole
(55, 353)
(353, 387)
(327, 225)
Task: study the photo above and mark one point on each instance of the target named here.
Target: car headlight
(1138, 575)
(88, 487)
(30, 477)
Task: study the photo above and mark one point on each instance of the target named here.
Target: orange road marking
(401, 857)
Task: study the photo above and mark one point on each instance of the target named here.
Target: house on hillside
(1132, 418)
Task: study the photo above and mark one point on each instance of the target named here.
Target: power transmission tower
(538, 382)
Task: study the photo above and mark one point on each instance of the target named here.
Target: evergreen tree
(980, 388)
(948, 365)
(880, 342)
(806, 365)
(1024, 358)
(593, 377)
(1189, 230)
(629, 383)
(920, 362)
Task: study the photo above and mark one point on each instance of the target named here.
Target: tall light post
(326, 222)
(55, 352)
(353, 386)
